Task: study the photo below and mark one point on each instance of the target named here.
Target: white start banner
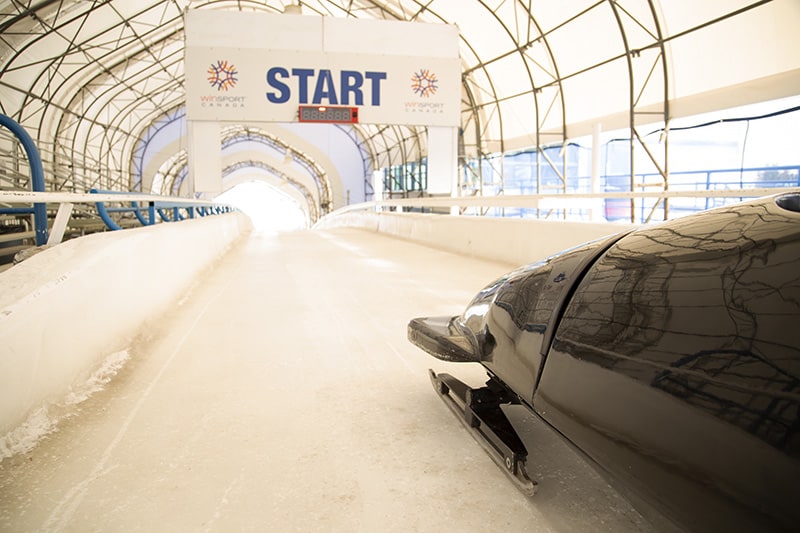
(269, 78)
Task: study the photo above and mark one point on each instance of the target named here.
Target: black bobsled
(669, 356)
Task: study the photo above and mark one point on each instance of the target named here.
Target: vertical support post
(596, 149)
(443, 161)
(205, 157)
(60, 223)
(377, 186)
(37, 176)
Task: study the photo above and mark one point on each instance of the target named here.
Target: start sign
(348, 87)
(273, 64)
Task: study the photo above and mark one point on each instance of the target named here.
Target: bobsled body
(670, 356)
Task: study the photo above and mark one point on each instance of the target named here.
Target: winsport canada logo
(424, 83)
(222, 75)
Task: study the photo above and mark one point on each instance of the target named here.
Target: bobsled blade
(479, 411)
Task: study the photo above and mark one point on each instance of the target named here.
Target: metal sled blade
(479, 411)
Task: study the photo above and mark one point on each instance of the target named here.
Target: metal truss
(313, 206)
(237, 134)
(90, 79)
(646, 58)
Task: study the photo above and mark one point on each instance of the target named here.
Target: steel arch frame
(102, 136)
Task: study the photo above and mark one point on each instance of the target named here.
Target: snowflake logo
(424, 83)
(222, 75)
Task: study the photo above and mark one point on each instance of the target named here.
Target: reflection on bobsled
(666, 355)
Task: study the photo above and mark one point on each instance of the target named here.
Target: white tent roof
(92, 80)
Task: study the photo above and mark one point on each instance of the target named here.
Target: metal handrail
(534, 201)
(39, 198)
(150, 202)
(153, 206)
(100, 196)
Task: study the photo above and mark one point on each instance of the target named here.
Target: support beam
(60, 223)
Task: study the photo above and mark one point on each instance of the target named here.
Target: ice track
(282, 395)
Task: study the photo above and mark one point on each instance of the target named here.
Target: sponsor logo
(423, 107)
(222, 75)
(424, 83)
(222, 101)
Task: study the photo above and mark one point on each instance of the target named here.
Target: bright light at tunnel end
(270, 209)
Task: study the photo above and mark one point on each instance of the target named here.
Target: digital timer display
(317, 113)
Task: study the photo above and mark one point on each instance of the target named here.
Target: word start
(351, 89)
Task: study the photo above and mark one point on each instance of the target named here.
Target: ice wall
(514, 241)
(67, 310)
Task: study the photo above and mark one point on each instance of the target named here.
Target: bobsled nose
(442, 338)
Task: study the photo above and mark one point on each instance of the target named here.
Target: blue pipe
(103, 212)
(152, 209)
(138, 214)
(16, 211)
(37, 176)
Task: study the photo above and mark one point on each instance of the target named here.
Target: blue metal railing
(153, 207)
(39, 197)
(39, 210)
(148, 204)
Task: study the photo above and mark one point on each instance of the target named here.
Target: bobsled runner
(481, 413)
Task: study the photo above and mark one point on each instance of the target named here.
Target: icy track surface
(282, 395)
